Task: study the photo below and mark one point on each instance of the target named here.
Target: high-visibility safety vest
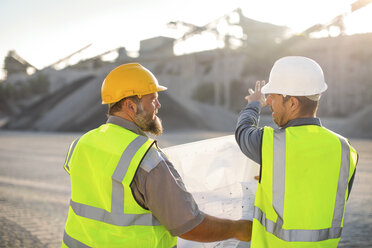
(103, 211)
(303, 189)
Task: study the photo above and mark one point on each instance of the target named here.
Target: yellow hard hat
(128, 80)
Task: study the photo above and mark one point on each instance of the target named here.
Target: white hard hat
(295, 76)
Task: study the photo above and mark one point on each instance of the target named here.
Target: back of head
(296, 76)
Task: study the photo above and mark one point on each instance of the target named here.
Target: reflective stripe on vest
(72, 243)
(117, 216)
(117, 219)
(278, 188)
(70, 153)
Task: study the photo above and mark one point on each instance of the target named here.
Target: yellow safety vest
(103, 211)
(300, 200)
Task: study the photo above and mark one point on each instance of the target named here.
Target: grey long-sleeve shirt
(157, 186)
(249, 136)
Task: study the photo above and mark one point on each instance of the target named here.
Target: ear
(130, 107)
(294, 103)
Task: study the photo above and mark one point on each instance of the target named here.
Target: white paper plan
(221, 179)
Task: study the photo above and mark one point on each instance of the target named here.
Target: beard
(147, 124)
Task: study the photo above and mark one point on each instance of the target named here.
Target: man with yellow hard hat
(124, 190)
(306, 170)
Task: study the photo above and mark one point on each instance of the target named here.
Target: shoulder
(152, 158)
(268, 131)
(336, 135)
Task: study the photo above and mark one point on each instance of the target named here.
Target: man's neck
(125, 123)
(308, 120)
(124, 116)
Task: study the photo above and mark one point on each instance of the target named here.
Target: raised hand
(257, 95)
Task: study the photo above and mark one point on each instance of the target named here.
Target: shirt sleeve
(247, 133)
(158, 187)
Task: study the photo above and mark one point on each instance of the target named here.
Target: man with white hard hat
(307, 171)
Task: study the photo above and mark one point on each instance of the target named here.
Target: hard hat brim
(161, 88)
(267, 89)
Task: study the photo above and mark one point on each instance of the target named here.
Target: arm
(215, 229)
(160, 189)
(247, 134)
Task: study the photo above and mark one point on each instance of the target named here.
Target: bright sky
(44, 31)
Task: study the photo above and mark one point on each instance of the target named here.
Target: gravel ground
(14, 235)
(34, 188)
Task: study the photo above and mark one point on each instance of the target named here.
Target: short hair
(307, 106)
(116, 106)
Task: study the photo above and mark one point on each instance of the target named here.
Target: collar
(116, 120)
(303, 122)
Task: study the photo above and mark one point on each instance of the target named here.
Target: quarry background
(41, 113)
